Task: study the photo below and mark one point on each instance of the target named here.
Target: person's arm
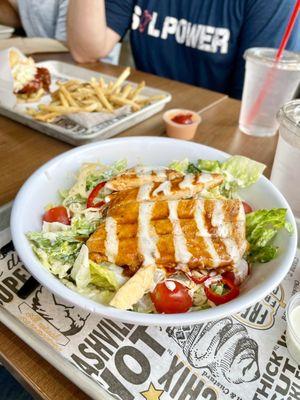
(263, 26)
(88, 35)
(8, 15)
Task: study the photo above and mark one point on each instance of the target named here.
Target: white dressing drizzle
(147, 237)
(204, 177)
(217, 220)
(171, 285)
(187, 181)
(164, 187)
(144, 192)
(111, 240)
(181, 252)
(232, 249)
(200, 222)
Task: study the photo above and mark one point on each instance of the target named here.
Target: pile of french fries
(75, 96)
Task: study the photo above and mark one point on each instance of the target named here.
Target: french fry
(126, 90)
(135, 92)
(100, 95)
(68, 96)
(124, 75)
(63, 99)
(122, 102)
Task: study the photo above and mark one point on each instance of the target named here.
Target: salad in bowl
(165, 239)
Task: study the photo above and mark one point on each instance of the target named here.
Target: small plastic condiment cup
(181, 131)
(292, 333)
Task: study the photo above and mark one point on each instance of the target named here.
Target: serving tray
(73, 133)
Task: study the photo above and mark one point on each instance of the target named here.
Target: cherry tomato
(57, 214)
(198, 280)
(94, 193)
(171, 301)
(183, 119)
(229, 275)
(232, 292)
(248, 209)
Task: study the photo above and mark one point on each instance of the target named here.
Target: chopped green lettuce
(100, 176)
(180, 166)
(144, 305)
(242, 171)
(92, 292)
(106, 276)
(90, 174)
(261, 228)
(209, 165)
(81, 269)
(238, 171)
(56, 250)
(86, 222)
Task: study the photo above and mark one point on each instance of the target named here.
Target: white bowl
(42, 188)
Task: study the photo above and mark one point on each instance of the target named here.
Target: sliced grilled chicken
(186, 186)
(139, 176)
(198, 233)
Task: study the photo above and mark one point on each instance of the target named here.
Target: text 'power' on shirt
(201, 42)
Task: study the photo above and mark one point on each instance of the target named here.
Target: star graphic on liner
(152, 393)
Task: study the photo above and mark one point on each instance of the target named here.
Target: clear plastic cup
(282, 77)
(293, 326)
(286, 167)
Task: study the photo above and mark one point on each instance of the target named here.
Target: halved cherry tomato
(94, 193)
(57, 214)
(229, 275)
(248, 209)
(170, 301)
(198, 280)
(232, 292)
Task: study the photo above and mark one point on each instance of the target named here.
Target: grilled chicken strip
(138, 176)
(183, 187)
(201, 234)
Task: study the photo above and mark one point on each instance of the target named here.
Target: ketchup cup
(181, 124)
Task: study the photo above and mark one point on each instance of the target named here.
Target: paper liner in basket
(89, 120)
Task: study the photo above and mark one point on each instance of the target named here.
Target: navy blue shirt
(201, 42)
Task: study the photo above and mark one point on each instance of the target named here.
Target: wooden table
(22, 150)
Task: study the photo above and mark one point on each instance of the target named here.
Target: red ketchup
(183, 119)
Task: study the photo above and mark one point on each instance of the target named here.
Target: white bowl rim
(55, 286)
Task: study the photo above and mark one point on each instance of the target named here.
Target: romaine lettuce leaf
(92, 292)
(209, 165)
(85, 222)
(144, 305)
(81, 269)
(56, 250)
(180, 166)
(90, 174)
(100, 176)
(242, 171)
(106, 276)
(261, 228)
(238, 171)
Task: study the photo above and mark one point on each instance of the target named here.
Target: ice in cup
(286, 167)
(279, 81)
(293, 327)
(181, 124)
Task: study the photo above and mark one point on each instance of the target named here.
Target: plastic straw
(269, 79)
